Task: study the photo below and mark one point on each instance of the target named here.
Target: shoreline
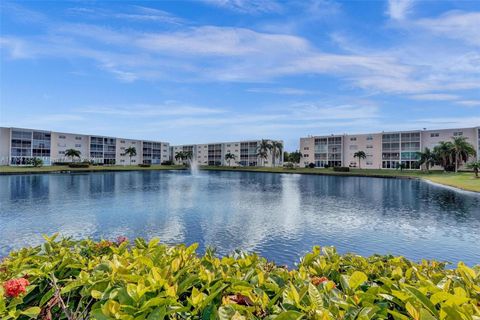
(432, 177)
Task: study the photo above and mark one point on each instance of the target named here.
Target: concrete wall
(4, 146)
(124, 144)
(60, 142)
(371, 144)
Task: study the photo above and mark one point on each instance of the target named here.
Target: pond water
(280, 216)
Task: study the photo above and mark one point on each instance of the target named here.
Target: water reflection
(279, 216)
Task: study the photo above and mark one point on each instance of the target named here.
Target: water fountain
(193, 167)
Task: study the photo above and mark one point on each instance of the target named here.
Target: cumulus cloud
(399, 9)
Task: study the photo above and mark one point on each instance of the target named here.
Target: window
(369, 146)
(434, 134)
(78, 138)
(305, 155)
(61, 152)
(369, 163)
(306, 148)
(228, 145)
(61, 137)
(458, 133)
(369, 138)
(122, 141)
(353, 139)
(78, 145)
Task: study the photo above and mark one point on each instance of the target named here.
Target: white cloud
(247, 6)
(435, 97)
(469, 103)
(456, 25)
(168, 108)
(282, 91)
(399, 9)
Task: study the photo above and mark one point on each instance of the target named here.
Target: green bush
(69, 279)
(288, 165)
(341, 169)
(79, 165)
(144, 165)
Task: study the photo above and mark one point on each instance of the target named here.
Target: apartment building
(18, 146)
(212, 154)
(385, 150)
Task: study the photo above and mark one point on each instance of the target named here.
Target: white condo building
(384, 150)
(245, 153)
(18, 145)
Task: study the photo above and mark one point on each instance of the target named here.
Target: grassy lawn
(461, 180)
(12, 169)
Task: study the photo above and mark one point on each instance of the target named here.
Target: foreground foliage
(69, 279)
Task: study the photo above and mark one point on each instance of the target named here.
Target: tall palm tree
(443, 152)
(131, 152)
(180, 155)
(187, 155)
(72, 153)
(475, 166)
(360, 155)
(295, 156)
(230, 156)
(277, 148)
(263, 149)
(462, 151)
(427, 158)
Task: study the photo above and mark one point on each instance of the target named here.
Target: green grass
(46, 169)
(461, 180)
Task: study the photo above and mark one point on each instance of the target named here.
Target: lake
(280, 216)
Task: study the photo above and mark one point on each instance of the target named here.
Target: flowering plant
(147, 280)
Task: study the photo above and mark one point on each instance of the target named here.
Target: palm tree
(230, 156)
(262, 150)
(427, 158)
(360, 155)
(462, 151)
(131, 152)
(277, 148)
(72, 153)
(443, 152)
(187, 155)
(475, 166)
(295, 156)
(180, 155)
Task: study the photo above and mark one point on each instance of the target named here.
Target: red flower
(15, 287)
(317, 280)
(121, 239)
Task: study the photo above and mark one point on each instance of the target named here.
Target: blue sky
(220, 70)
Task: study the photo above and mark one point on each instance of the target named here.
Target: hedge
(69, 279)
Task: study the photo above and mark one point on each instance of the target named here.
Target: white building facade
(19, 146)
(244, 152)
(385, 150)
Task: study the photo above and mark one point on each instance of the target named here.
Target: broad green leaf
(31, 312)
(356, 279)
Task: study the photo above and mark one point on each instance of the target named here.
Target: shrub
(341, 169)
(326, 166)
(79, 165)
(61, 163)
(144, 165)
(119, 280)
(167, 163)
(311, 165)
(288, 165)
